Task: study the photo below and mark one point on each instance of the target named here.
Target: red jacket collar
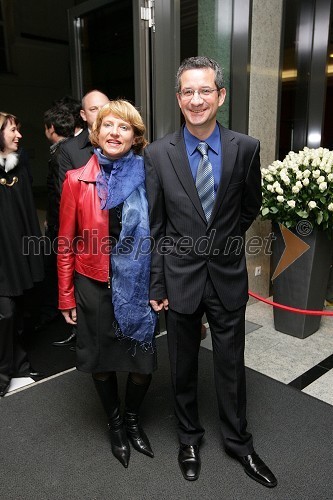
(90, 171)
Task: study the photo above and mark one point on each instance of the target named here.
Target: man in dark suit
(204, 191)
(76, 152)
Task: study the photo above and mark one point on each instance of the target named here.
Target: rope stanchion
(290, 309)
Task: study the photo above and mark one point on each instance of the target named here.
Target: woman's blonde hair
(124, 110)
(4, 119)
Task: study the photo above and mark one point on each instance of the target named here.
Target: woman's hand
(70, 316)
(158, 305)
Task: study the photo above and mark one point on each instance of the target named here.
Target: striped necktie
(205, 181)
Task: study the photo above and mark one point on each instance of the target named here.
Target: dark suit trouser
(13, 357)
(228, 339)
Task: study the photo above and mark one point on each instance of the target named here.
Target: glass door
(129, 49)
(109, 47)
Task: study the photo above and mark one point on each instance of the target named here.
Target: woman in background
(21, 262)
(104, 270)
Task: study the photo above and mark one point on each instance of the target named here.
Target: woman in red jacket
(104, 269)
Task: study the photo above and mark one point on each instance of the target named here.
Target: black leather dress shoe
(189, 461)
(70, 340)
(4, 389)
(256, 469)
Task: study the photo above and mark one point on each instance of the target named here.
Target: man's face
(92, 104)
(200, 111)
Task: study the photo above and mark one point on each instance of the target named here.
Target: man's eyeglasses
(189, 93)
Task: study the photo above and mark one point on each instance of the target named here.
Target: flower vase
(302, 284)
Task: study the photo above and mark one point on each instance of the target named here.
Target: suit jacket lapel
(229, 155)
(179, 160)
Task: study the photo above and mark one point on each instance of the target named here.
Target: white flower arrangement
(300, 187)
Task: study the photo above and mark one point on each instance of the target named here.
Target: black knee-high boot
(135, 394)
(108, 393)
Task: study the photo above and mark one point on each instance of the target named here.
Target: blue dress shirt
(214, 153)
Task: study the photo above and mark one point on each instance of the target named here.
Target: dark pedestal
(302, 285)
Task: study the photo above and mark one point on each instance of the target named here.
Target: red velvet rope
(291, 309)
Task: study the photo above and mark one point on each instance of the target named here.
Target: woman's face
(11, 137)
(116, 137)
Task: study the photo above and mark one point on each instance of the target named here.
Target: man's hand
(158, 305)
(70, 316)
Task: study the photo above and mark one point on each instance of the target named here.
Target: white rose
(320, 179)
(312, 204)
(280, 199)
(306, 182)
(291, 203)
(323, 186)
(295, 189)
(279, 190)
(270, 188)
(316, 174)
(269, 178)
(285, 180)
(330, 177)
(330, 207)
(306, 173)
(299, 184)
(299, 174)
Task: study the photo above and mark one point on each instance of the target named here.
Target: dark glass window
(328, 119)
(289, 78)
(188, 28)
(3, 56)
(107, 50)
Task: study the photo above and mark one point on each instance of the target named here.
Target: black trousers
(13, 357)
(48, 289)
(228, 340)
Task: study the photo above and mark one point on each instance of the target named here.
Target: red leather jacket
(83, 239)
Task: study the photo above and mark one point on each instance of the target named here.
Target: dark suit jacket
(74, 153)
(179, 269)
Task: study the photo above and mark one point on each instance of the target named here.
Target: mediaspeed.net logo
(294, 246)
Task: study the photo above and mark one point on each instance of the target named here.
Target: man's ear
(83, 115)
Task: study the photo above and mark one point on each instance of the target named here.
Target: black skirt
(98, 348)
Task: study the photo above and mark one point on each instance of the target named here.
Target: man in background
(59, 125)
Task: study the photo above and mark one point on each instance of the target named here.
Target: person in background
(21, 264)
(74, 107)
(103, 287)
(75, 153)
(203, 183)
(59, 125)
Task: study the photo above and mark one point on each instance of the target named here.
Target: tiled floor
(286, 358)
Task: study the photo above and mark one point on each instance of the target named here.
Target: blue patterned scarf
(122, 181)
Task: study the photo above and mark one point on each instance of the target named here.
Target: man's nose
(196, 96)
